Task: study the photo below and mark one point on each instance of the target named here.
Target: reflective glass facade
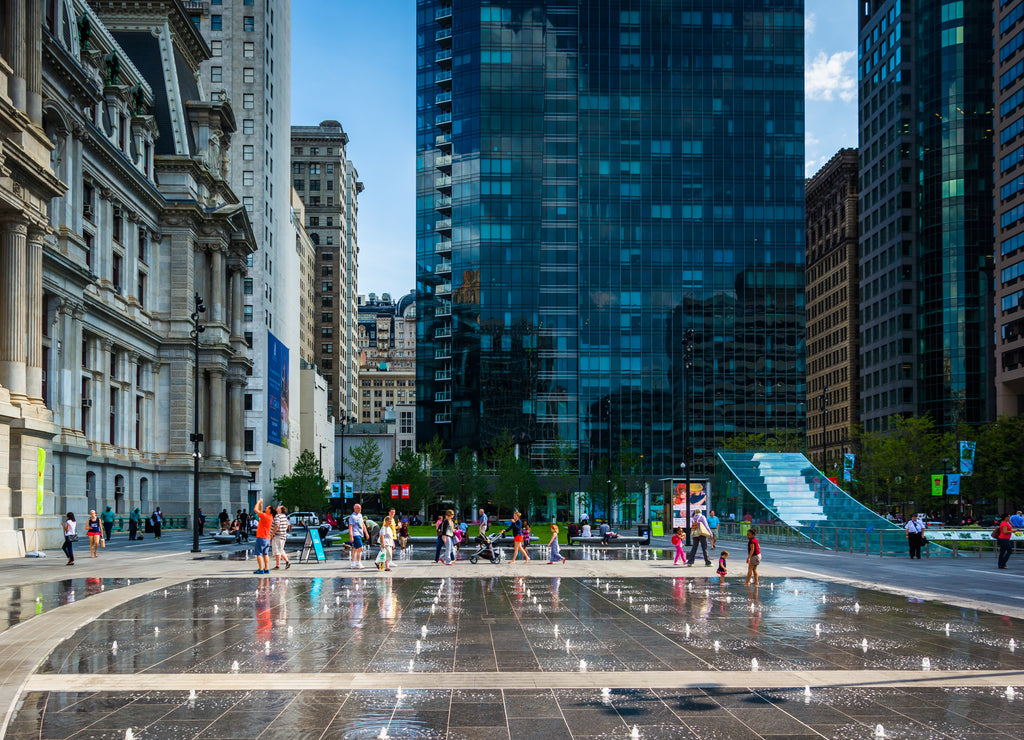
(595, 178)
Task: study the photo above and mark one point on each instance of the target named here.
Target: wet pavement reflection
(312, 625)
(19, 603)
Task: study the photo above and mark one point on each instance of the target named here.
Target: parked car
(934, 524)
(304, 519)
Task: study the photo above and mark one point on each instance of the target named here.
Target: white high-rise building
(250, 64)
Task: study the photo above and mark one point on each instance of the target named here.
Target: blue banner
(967, 457)
(277, 392)
(849, 459)
(952, 484)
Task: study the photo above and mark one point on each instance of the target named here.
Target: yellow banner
(40, 474)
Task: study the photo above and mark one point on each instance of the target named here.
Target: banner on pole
(849, 459)
(405, 490)
(953, 487)
(336, 489)
(349, 489)
(967, 457)
(937, 480)
(394, 490)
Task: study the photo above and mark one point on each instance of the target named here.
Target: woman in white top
(70, 535)
(387, 541)
(586, 531)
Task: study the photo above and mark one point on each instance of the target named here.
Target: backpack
(440, 528)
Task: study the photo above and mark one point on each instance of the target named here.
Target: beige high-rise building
(328, 184)
(387, 364)
(306, 254)
(832, 320)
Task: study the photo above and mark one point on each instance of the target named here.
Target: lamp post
(608, 490)
(197, 329)
(346, 421)
(685, 465)
(322, 447)
(824, 429)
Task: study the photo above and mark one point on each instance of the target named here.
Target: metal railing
(869, 541)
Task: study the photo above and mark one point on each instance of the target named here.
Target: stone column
(235, 414)
(130, 393)
(68, 363)
(13, 298)
(34, 61)
(216, 298)
(34, 314)
(236, 303)
(16, 52)
(101, 406)
(218, 409)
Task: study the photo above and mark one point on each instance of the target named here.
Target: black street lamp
(197, 329)
(608, 493)
(685, 465)
(322, 448)
(346, 421)
(823, 399)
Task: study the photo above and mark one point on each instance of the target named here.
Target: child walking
(556, 555)
(753, 555)
(722, 570)
(387, 543)
(678, 542)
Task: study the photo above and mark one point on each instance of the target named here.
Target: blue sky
(369, 49)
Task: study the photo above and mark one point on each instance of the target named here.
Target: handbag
(72, 537)
(103, 542)
(995, 533)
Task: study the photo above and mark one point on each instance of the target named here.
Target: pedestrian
(1004, 533)
(753, 555)
(387, 541)
(70, 536)
(393, 518)
(134, 520)
(356, 532)
(224, 519)
(108, 522)
(93, 529)
(678, 542)
(243, 525)
(403, 534)
(439, 545)
(483, 524)
(555, 556)
(584, 518)
(713, 523)
(448, 533)
(157, 520)
(699, 534)
(914, 536)
(723, 569)
(263, 530)
(202, 522)
(517, 537)
(280, 532)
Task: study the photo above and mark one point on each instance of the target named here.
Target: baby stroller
(486, 549)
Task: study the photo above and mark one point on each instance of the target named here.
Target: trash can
(644, 531)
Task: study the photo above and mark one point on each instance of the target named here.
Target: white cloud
(829, 76)
(810, 21)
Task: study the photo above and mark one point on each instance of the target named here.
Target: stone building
(832, 336)
(306, 254)
(329, 187)
(145, 220)
(387, 364)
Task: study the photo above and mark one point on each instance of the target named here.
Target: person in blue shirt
(713, 526)
(1017, 520)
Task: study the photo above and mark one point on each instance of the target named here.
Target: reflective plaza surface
(528, 656)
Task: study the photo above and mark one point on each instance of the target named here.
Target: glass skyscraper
(593, 180)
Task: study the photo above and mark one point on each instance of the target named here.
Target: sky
(355, 62)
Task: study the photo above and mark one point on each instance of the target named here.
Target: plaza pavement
(969, 583)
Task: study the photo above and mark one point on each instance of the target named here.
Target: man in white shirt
(356, 532)
(915, 536)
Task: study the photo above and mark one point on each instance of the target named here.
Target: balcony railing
(443, 396)
(443, 224)
(442, 13)
(443, 333)
(444, 309)
(443, 161)
(443, 352)
(442, 418)
(445, 55)
(443, 204)
(443, 78)
(444, 34)
(444, 289)
(443, 97)
(444, 266)
(443, 181)
(442, 375)
(443, 246)
(443, 119)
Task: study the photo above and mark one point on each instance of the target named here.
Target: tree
(464, 480)
(434, 461)
(305, 488)
(778, 440)
(364, 461)
(516, 487)
(896, 465)
(408, 469)
(563, 474)
(630, 476)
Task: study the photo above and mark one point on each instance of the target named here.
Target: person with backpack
(439, 528)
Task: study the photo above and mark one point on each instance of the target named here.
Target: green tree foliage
(895, 467)
(516, 487)
(563, 475)
(464, 480)
(778, 440)
(305, 488)
(363, 466)
(408, 468)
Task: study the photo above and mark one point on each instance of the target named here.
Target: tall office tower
(309, 305)
(594, 180)
(832, 377)
(329, 187)
(1009, 204)
(925, 104)
(251, 50)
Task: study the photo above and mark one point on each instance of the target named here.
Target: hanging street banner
(405, 490)
(336, 489)
(937, 484)
(967, 457)
(849, 459)
(953, 489)
(394, 490)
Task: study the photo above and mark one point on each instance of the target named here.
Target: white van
(304, 519)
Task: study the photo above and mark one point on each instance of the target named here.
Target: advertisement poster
(40, 474)
(277, 392)
(699, 493)
(405, 490)
(336, 489)
(953, 487)
(849, 460)
(937, 484)
(967, 457)
(394, 490)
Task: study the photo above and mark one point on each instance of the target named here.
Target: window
(326, 349)
(118, 226)
(247, 286)
(248, 75)
(248, 100)
(217, 47)
(314, 169)
(116, 272)
(314, 220)
(248, 23)
(248, 126)
(299, 184)
(88, 201)
(143, 245)
(142, 289)
(314, 185)
(248, 341)
(248, 49)
(246, 313)
(249, 438)
(330, 220)
(248, 178)
(249, 204)
(216, 22)
(248, 152)
(297, 151)
(247, 405)
(248, 2)
(195, 20)
(216, 74)
(298, 168)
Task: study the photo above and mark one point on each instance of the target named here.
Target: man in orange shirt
(266, 522)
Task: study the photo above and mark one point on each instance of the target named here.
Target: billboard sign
(700, 492)
(277, 392)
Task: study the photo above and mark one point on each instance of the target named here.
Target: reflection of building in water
(576, 217)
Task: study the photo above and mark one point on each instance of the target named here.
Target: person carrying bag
(699, 535)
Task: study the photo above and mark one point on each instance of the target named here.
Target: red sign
(405, 490)
(394, 490)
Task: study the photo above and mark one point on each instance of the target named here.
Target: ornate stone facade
(132, 216)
